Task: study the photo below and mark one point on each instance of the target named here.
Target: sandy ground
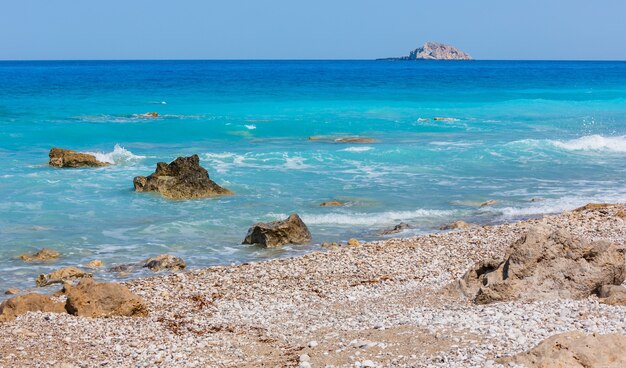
(378, 304)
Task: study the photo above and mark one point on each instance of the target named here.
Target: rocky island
(434, 51)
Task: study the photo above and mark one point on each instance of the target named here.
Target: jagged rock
(272, 234)
(546, 263)
(612, 294)
(456, 225)
(61, 275)
(96, 263)
(164, 262)
(342, 139)
(435, 51)
(353, 242)
(103, 299)
(331, 204)
(42, 255)
(574, 350)
(394, 229)
(183, 178)
(11, 308)
(60, 157)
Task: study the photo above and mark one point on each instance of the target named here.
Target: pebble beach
(378, 304)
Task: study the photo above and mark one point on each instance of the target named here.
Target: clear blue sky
(316, 29)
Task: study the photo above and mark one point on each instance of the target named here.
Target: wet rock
(164, 262)
(271, 234)
(150, 115)
(183, 178)
(96, 263)
(353, 242)
(456, 225)
(11, 308)
(103, 299)
(60, 157)
(575, 350)
(594, 206)
(330, 244)
(546, 263)
(42, 255)
(60, 276)
(394, 229)
(331, 204)
(12, 291)
(490, 202)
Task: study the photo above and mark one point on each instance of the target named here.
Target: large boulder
(60, 157)
(575, 350)
(103, 299)
(42, 255)
(546, 263)
(272, 234)
(60, 276)
(183, 178)
(11, 308)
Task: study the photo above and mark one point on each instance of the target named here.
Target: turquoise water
(538, 137)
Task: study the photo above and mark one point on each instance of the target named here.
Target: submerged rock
(164, 262)
(11, 308)
(60, 276)
(394, 229)
(342, 139)
(594, 206)
(546, 263)
(272, 234)
(575, 350)
(331, 204)
(490, 202)
(456, 225)
(12, 291)
(96, 263)
(435, 51)
(183, 178)
(42, 255)
(60, 157)
(103, 299)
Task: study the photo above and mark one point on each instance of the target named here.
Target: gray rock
(271, 234)
(435, 51)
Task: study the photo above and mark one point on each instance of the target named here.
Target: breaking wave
(119, 155)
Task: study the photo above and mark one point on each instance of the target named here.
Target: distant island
(434, 51)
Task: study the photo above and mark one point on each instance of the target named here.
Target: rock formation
(11, 308)
(164, 262)
(435, 51)
(272, 234)
(394, 229)
(103, 299)
(60, 276)
(546, 263)
(60, 157)
(183, 178)
(575, 350)
(42, 255)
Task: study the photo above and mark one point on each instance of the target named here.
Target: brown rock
(330, 244)
(456, 225)
(575, 350)
(546, 263)
(60, 157)
(164, 262)
(151, 115)
(612, 294)
(443, 119)
(11, 308)
(96, 263)
(490, 202)
(353, 242)
(42, 255)
(394, 229)
(61, 275)
(271, 234)
(331, 204)
(12, 291)
(594, 206)
(103, 299)
(183, 178)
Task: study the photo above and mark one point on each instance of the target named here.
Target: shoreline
(383, 302)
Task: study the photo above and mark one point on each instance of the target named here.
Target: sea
(537, 137)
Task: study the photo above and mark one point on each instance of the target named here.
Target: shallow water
(554, 132)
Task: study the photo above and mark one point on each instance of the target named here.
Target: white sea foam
(250, 126)
(593, 143)
(369, 219)
(119, 155)
(358, 149)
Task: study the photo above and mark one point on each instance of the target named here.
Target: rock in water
(546, 263)
(183, 178)
(164, 262)
(103, 299)
(60, 276)
(456, 225)
(272, 234)
(435, 51)
(394, 229)
(60, 157)
(42, 255)
(575, 350)
(11, 308)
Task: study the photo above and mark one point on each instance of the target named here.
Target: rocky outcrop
(60, 276)
(575, 350)
(103, 299)
(183, 178)
(456, 225)
(11, 308)
(60, 157)
(435, 51)
(272, 234)
(612, 294)
(42, 255)
(546, 263)
(164, 262)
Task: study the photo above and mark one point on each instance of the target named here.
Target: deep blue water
(538, 137)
